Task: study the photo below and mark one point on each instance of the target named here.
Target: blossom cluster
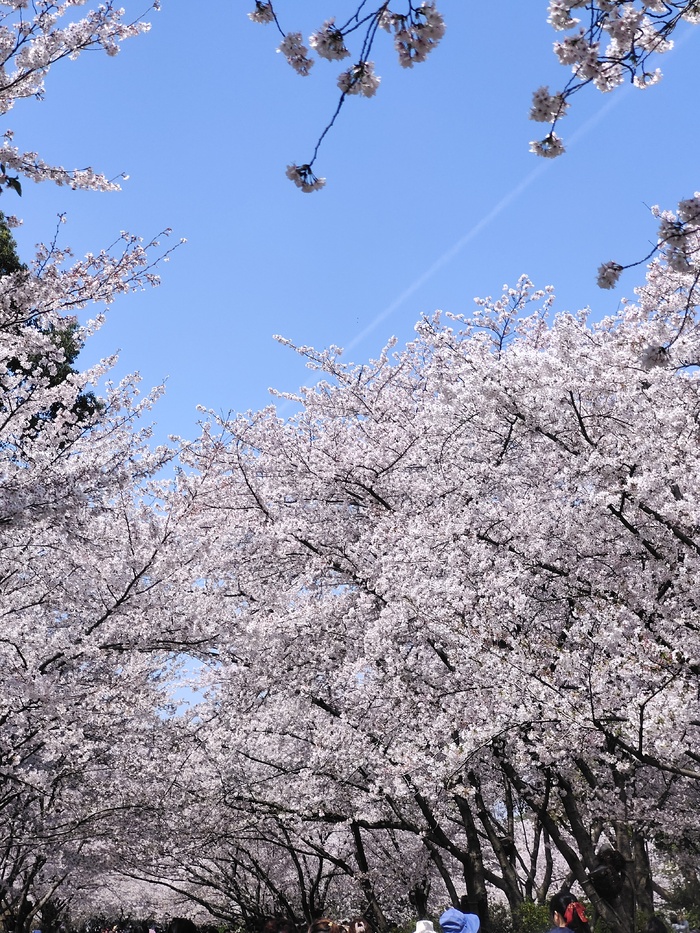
(415, 34)
(546, 107)
(559, 14)
(679, 235)
(581, 54)
(329, 42)
(296, 53)
(609, 274)
(304, 178)
(360, 79)
(263, 12)
(549, 148)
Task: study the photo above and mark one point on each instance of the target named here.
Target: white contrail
(543, 166)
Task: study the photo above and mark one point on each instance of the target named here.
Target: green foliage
(600, 926)
(641, 922)
(531, 918)
(9, 260)
(500, 918)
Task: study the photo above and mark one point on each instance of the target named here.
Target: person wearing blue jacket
(454, 921)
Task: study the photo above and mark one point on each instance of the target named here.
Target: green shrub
(531, 918)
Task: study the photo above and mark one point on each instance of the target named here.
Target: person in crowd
(425, 926)
(656, 925)
(568, 913)
(181, 925)
(456, 921)
(359, 925)
(680, 925)
(323, 925)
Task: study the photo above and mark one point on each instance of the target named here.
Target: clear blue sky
(432, 196)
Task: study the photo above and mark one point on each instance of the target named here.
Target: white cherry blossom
(304, 178)
(263, 13)
(360, 79)
(609, 274)
(296, 53)
(550, 147)
(328, 42)
(547, 107)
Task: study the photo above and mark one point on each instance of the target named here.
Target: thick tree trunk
(474, 876)
(375, 909)
(638, 889)
(503, 846)
(581, 862)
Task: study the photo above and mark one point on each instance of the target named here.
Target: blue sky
(432, 196)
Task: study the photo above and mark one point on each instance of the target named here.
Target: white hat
(425, 926)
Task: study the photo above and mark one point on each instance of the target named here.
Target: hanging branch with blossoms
(616, 42)
(634, 32)
(31, 41)
(416, 32)
(678, 243)
(610, 42)
(615, 45)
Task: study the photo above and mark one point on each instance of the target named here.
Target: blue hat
(454, 921)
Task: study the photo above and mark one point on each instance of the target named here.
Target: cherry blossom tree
(90, 556)
(445, 614)
(91, 552)
(455, 596)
